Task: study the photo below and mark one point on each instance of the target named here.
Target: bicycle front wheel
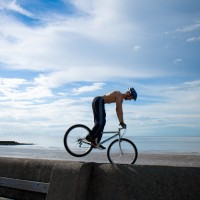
(123, 152)
(74, 140)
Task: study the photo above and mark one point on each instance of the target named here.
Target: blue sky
(56, 55)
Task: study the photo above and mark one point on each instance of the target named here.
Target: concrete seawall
(95, 181)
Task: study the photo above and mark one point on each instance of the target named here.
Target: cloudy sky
(57, 55)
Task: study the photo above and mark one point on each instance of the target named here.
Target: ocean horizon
(145, 144)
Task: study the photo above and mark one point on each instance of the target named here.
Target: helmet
(133, 93)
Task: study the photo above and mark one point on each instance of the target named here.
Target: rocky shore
(13, 143)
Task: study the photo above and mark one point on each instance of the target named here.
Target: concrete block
(95, 181)
(25, 169)
(70, 181)
(127, 182)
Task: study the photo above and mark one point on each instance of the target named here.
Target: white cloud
(172, 105)
(92, 74)
(186, 93)
(94, 45)
(193, 39)
(7, 83)
(31, 93)
(101, 37)
(99, 42)
(21, 89)
(76, 43)
(195, 26)
(52, 46)
(55, 116)
(13, 6)
(190, 28)
(137, 47)
(178, 60)
(89, 88)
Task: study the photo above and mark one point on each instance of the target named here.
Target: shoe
(90, 139)
(94, 143)
(100, 146)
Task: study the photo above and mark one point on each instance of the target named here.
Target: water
(189, 145)
(150, 144)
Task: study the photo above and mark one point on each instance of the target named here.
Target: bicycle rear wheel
(123, 152)
(74, 140)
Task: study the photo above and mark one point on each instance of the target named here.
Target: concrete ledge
(70, 181)
(144, 182)
(94, 181)
(25, 169)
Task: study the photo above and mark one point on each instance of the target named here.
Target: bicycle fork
(120, 147)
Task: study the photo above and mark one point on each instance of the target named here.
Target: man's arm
(119, 109)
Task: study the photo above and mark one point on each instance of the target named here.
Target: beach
(163, 151)
(99, 156)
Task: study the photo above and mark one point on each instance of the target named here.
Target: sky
(57, 55)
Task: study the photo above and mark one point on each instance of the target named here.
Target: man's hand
(123, 125)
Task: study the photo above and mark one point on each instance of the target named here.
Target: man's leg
(99, 118)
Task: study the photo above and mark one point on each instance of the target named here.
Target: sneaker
(100, 146)
(89, 138)
(94, 143)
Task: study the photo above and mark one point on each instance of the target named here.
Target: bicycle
(121, 150)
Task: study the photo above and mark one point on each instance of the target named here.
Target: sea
(145, 144)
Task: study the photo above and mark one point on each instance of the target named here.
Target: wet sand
(162, 159)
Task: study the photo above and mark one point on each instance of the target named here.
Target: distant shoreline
(14, 143)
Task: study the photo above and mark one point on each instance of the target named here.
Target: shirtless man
(98, 106)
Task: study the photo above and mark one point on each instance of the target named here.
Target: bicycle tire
(129, 150)
(74, 140)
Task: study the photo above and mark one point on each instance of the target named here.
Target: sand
(162, 159)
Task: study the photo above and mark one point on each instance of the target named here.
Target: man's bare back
(113, 97)
(116, 97)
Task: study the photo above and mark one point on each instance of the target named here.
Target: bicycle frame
(120, 150)
(117, 133)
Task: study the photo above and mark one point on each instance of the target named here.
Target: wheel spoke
(123, 152)
(74, 140)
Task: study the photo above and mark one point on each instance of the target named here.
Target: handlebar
(122, 134)
(121, 128)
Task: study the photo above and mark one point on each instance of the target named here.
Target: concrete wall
(93, 181)
(28, 169)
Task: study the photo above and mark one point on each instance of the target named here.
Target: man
(100, 115)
